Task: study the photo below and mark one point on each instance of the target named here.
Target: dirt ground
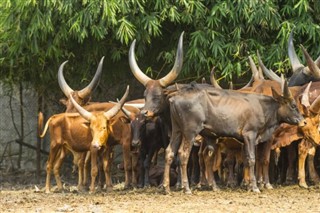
(18, 194)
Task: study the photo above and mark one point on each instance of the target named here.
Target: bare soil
(19, 194)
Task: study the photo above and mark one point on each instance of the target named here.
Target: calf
(148, 136)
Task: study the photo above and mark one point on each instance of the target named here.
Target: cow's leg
(56, 168)
(292, 155)
(265, 162)
(148, 162)
(142, 174)
(249, 146)
(107, 162)
(302, 152)
(259, 167)
(237, 167)
(203, 180)
(146, 165)
(127, 163)
(184, 152)
(79, 159)
(230, 164)
(135, 167)
(86, 167)
(94, 168)
(195, 176)
(172, 148)
(208, 156)
(54, 151)
(312, 171)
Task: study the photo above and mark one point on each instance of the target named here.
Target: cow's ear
(124, 119)
(86, 124)
(276, 95)
(63, 101)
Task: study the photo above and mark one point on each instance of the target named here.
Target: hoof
(255, 190)
(268, 186)
(215, 189)
(75, 189)
(303, 185)
(109, 188)
(187, 192)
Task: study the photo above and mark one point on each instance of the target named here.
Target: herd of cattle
(202, 128)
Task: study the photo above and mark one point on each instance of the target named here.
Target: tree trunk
(39, 140)
(21, 124)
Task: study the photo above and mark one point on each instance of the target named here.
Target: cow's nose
(147, 113)
(96, 145)
(302, 123)
(135, 143)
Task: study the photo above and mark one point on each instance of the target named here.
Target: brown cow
(71, 131)
(309, 137)
(120, 135)
(309, 132)
(82, 97)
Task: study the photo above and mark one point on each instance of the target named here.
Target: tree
(37, 36)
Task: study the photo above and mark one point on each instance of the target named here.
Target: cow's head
(154, 94)
(311, 113)
(80, 96)
(301, 74)
(100, 125)
(138, 125)
(288, 111)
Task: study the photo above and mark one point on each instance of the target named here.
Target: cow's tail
(41, 131)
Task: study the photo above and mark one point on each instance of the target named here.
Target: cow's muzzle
(147, 113)
(96, 146)
(210, 150)
(136, 143)
(302, 123)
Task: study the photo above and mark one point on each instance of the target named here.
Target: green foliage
(37, 36)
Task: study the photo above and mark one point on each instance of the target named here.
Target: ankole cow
(88, 131)
(212, 113)
(120, 136)
(82, 97)
(306, 146)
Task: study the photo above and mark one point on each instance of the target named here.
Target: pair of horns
(85, 92)
(108, 114)
(166, 80)
(315, 106)
(313, 66)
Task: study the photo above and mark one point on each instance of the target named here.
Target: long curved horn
(313, 68)
(94, 83)
(126, 112)
(116, 108)
(248, 84)
(213, 79)
(317, 61)
(62, 82)
(271, 75)
(305, 96)
(173, 74)
(285, 89)
(84, 113)
(294, 60)
(231, 85)
(315, 106)
(255, 72)
(140, 76)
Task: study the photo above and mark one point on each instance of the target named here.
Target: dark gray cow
(214, 113)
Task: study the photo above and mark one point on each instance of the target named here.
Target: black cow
(213, 113)
(148, 136)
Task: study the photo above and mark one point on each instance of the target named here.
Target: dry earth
(18, 195)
